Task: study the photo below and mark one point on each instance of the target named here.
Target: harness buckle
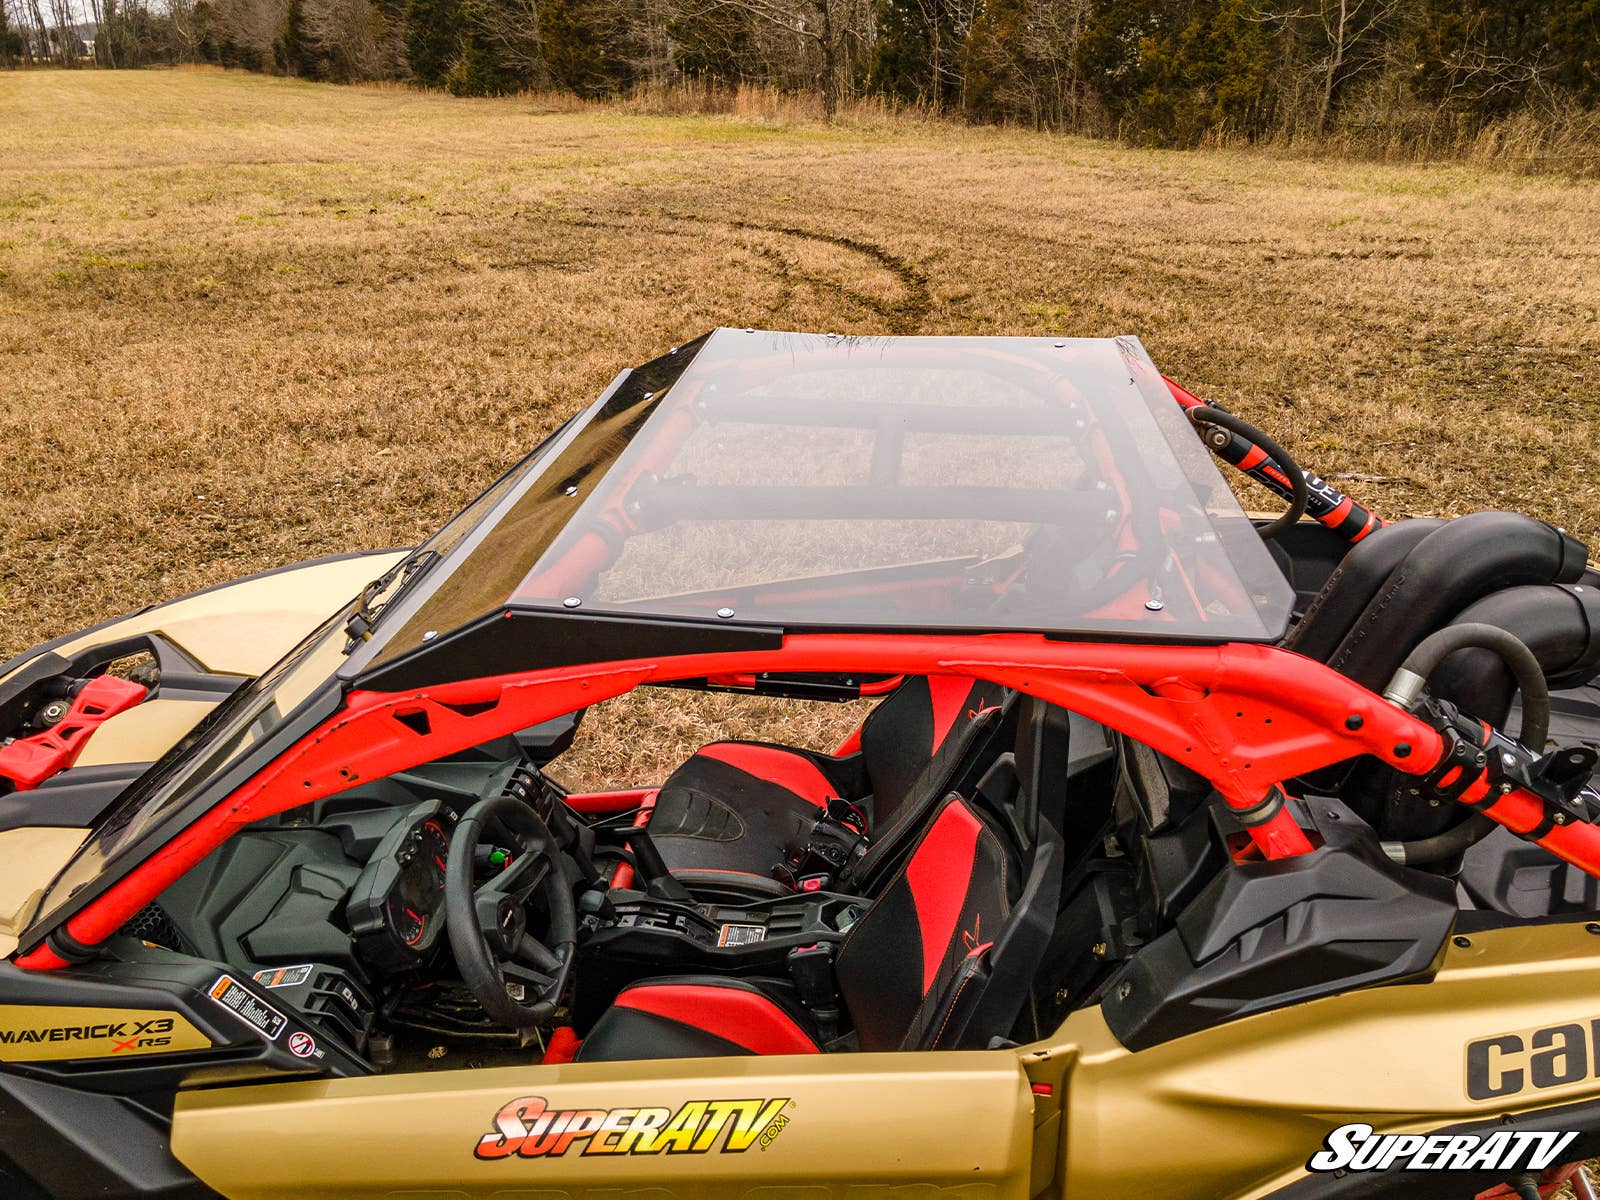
(838, 838)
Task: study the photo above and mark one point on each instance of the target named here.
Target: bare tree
(512, 27)
(185, 30)
(350, 36)
(1351, 38)
(831, 30)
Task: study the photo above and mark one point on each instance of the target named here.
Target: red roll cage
(1247, 717)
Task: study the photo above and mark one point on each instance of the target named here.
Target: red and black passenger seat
(912, 974)
(730, 817)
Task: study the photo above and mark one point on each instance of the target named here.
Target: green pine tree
(434, 36)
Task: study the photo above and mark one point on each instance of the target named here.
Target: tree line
(1170, 72)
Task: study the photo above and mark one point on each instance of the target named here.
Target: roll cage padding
(1245, 716)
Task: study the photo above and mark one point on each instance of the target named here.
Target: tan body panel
(1237, 1110)
(866, 1124)
(31, 857)
(1232, 1112)
(236, 629)
(243, 628)
(143, 733)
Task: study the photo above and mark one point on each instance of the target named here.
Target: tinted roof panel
(805, 481)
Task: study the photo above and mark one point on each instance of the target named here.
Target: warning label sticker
(238, 999)
(741, 935)
(275, 977)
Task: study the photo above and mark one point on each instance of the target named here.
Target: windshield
(258, 709)
(242, 721)
(806, 482)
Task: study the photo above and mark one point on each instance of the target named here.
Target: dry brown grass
(247, 320)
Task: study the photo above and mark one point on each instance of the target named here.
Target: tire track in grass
(904, 314)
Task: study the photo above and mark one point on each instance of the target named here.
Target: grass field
(245, 320)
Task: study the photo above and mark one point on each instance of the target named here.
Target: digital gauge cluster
(396, 908)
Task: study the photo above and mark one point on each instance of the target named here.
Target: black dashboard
(396, 907)
(337, 907)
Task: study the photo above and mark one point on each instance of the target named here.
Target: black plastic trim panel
(1266, 935)
(522, 640)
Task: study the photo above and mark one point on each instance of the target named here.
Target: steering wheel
(488, 922)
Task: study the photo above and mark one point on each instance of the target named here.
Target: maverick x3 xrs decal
(33, 1033)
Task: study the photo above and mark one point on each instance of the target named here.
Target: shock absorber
(1326, 504)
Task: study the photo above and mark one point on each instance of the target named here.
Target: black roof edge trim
(516, 639)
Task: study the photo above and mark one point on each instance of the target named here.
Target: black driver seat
(729, 817)
(942, 959)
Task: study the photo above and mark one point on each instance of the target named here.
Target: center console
(639, 937)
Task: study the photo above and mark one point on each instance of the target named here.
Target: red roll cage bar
(1247, 717)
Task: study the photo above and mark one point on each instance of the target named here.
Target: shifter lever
(649, 864)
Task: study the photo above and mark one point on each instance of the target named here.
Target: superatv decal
(35, 1033)
(527, 1128)
(1543, 1057)
(1356, 1147)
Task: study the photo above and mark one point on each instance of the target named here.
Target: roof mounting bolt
(1061, 345)
(830, 335)
(674, 350)
(649, 395)
(749, 329)
(1154, 605)
(724, 613)
(429, 635)
(571, 489)
(571, 602)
